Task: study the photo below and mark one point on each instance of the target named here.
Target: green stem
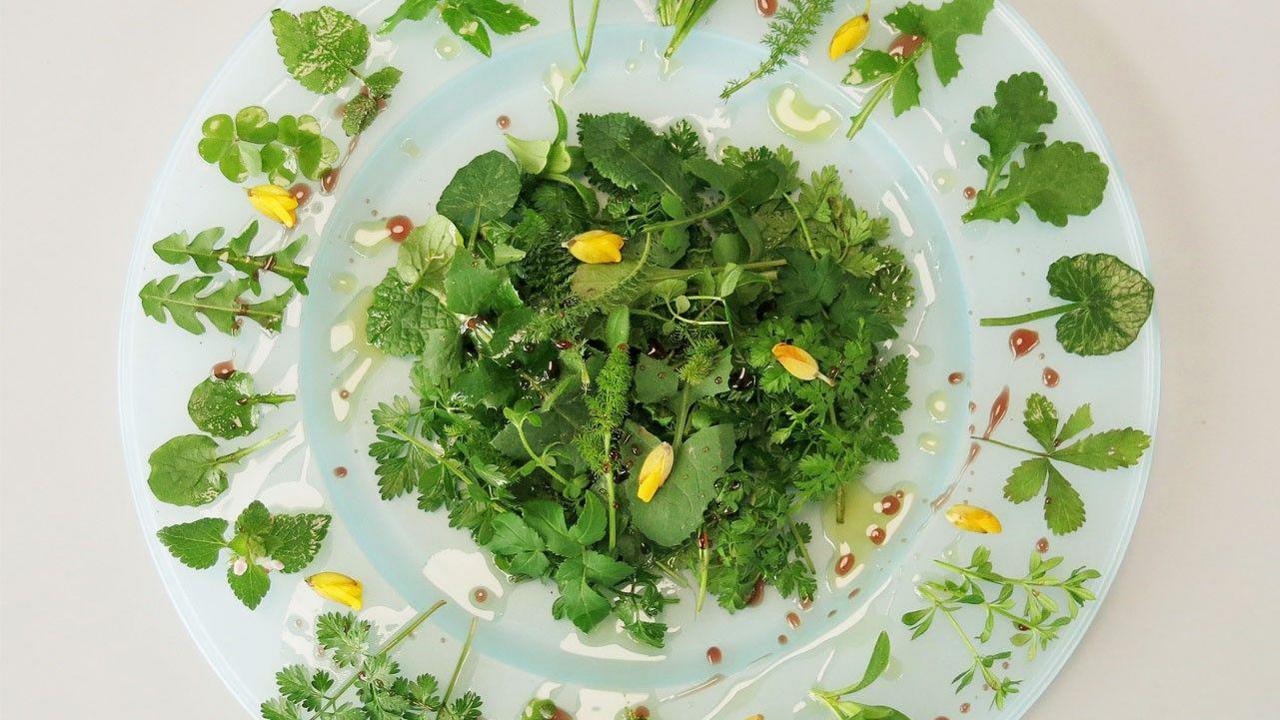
(1037, 453)
(536, 458)
(1020, 319)
(272, 399)
(704, 565)
(387, 647)
(610, 492)
(691, 219)
(804, 227)
(681, 418)
(992, 681)
(246, 451)
(583, 50)
(439, 457)
(998, 579)
(882, 91)
(457, 668)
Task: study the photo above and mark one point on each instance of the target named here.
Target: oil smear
(797, 117)
(870, 521)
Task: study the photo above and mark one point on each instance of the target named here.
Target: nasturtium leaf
(676, 510)
(428, 250)
(481, 191)
(1112, 302)
(195, 544)
(320, 47)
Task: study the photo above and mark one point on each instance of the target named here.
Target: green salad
(633, 362)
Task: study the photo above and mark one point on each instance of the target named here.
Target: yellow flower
(799, 363)
(276, 203)
(338, 588)
(596, 247)
(850, 35)
(974, 519)
(654, 472)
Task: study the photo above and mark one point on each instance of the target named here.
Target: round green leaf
(254, 124)
(1112, 303)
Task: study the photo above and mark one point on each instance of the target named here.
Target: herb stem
(535, 457)
(704, 564)
(682, 417)
(804, 549)
(804, 227)
(1008, 446)
(583, 50)
(992, 681)
(457, 668)
(246, 451)
(272, 399)
(610, 492)
(691, 219)
(1028, 317)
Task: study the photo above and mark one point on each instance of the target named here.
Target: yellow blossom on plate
(799, 363)
(276, 203)
(974, 519)
(654, 471)
(850, 35)
(338, 588)
(596, 247)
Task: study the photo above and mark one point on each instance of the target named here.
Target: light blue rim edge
(203, 640)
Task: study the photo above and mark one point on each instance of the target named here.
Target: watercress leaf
(408, 10)
(483, 190)
(1063, 506)
(1026, 480)
(677, 509)
(294, 540)
(186, 470)
(1022, 108)
(251, 585)
(627, 152)
(655, 380)
(1080, 420)
(195, 544)
(1106, 450)
(1057, 181)
(428, 251)
(1112, 303)
(1041, 420)
(400, 317)
(943, 28)
(320, 47)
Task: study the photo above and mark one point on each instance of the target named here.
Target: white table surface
(94, 92)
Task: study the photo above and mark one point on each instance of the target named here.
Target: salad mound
(632, 362)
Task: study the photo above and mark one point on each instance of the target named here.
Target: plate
(964, 378)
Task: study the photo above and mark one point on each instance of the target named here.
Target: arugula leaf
(483, 190)
(898, 71)
(221, 307)
(1109, 302)
(401, 317)
(228, 408)
(468, 19)
(187, 470)
(201, 250)
(320, 47)
(677, 509)
(195, 544)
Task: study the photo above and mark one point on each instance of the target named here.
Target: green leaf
(184, 303)
(470, 20)
(1106, 450)
(808, 285)
(483, 190)
(251, 586)
(581, 603)
(1057, 181)
(546, 517)
(943, 28)
(677, 509)
(470, 285)
(1080, 420)
(906, 89)
(627, 152)
(254, 124)
(1041, 420)
(320, 47)
(428, 250)
(382, 82)
(358, 114)
(401, 317)
(519, 544)
(1022, 108)
(408, 10)
(229, 408)
(875, 666)
(1027, 480)
(294, 540)
(1063, 506)
(195, 544)
(186, 470)
(1112, 303)
(655, 380)
(530, 155)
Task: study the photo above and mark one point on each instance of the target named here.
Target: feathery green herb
(790, 32)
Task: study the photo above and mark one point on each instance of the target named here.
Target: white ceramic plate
(910, 169)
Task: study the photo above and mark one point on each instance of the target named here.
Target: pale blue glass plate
(910, 169)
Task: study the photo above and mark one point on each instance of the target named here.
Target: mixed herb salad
(631, 362)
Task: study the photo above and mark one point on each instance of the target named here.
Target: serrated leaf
(250, 586)
(1026, 480)
(195, 544)
(320, 47)
(1112, 303)
(1041, 420)
(1063, 506)
(1106, 450)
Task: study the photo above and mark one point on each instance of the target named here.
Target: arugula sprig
(1056, 181)
(1108, 302)
(1108, 450)
(789, 33)
(261, 542)
(251, 144)
(924, 32)
(470, 20)
(843, 708)
(1036, 625)
(323, 49)
(223, 307)
(381, 690)
(202, 251)
(228, 407)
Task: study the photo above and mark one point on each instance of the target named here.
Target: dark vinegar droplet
(793, 620)
(224, 370)
(964, 708)
(970, 192)
(766, 8)
(340, 472)
(955, 378)
(877, 535)
(1051, 377)
(845, 564)
(300, 192)
(640, 712)
(563, 344)
(782, 639)
(757, 593)
(890, 504)
(905, 45)
(399, 227)
(1042, 545)
(1023, 341)
(714, 655)
(504, 122)
(329, 180)
(344, 393)
(481, 596)
(998, 410)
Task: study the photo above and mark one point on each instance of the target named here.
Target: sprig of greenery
(683, 15)
(470, 20)
(1109, 450)
(187, 469)
(1108, 303)
(262, 542)
(222, 307)
(1057, 181)
(251, 144)
(790, 32)
(382, 692)
(202, 251)
(843, 708)
(923, 31)
(228, 407)
(1037, 624)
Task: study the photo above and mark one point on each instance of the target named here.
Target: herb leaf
(402, 316)
(468, 19)
(229, 408)
(221, 307)
(481, 191)
(320, 47)
(1022, 107)
(628, 153)
(187, 469)
(428, 250)
(790, 33)
(1056, 181)
(195, 544)
(676, 511)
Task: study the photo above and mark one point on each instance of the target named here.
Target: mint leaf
(1063, 506)
(1106, 450)
(1022, 108)
(250, 586)
(1056, 181)
(195, 544)
(228, 408)
(677, 509)
(482, 191)
(401, 317)
(320, 47)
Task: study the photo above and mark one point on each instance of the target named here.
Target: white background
(94, 92)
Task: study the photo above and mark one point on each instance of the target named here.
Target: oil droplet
(1050, 377)
(410, 148)
(795, 116)
(939, 406)
(447, 48)
(343, 282)
(930, 443)
(944, 180)
(1023, 341)
(714, 655)
(905, 45)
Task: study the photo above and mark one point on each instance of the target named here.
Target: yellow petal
(338, 588)
(654, 471)
(799, 363)
(849, 36)
(974, 519)
(276, 203)
(597, 247)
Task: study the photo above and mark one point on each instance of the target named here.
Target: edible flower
(799, 363)
(850, 35)
(654, 471)
(338, 588)
(974, 519)
(276, 203)
(596, 247)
